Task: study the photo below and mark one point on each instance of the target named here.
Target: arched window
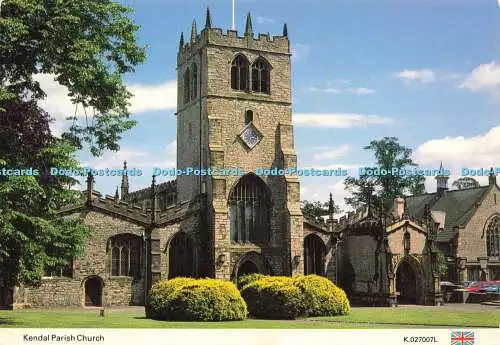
(248, 117)
(493, 238)
(249, 211)
(239, 73)
(125, 255)
(194, 81)
(260, 76)
(187, 83)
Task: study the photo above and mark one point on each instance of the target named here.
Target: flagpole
(234, 28)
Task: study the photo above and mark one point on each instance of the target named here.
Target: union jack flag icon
(462, 338)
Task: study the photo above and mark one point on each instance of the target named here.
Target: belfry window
(249, 211)
(493, 238)
(194, 82)
(187, 84)
(239, 73)
(125, 255)
(260, 76)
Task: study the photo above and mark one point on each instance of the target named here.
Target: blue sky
(426, 72)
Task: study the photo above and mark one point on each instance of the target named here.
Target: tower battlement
(263, 42)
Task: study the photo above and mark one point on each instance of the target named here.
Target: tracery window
(239, 73)
(194, 82)
(125, 255)
(249, 211)
(493, 238)
(187, 83)
(260, 76)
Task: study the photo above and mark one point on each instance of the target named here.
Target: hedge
(188, 299)
(292, 297)
(249, 278)
(273, 298)
(321, 296)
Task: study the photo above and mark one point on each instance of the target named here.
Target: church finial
(117, 196)
(492, 177)
(194, 32)
(248, 27)
(124, 186)
(331, 207)
(285, 30)
(181, 41)
(208, 22)
(90, 188)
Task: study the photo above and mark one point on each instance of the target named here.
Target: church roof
(145, 192)
(458, 206)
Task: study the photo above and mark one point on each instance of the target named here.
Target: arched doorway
(93, 292)
(314, 255)
(406, 283)
(249, 263)
(248, 267)
(181, 256)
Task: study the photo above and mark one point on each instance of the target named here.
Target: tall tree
(88, 45)
(381, 189)
(317, 210)
(32, 236)
(465, 183)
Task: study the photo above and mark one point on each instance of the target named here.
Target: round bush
(249, 278)
(321, 296)
(188, 299)
(273, 298)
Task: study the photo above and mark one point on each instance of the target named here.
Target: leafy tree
(381, 190)
(442, 266)
(465, 182)
(88, 45)
(32, 236)
(317, 210)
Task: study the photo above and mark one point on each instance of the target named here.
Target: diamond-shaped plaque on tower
(250, 135)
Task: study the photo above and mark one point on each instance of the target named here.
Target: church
(234, 111)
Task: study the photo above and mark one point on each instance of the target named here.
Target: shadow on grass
(6, 321)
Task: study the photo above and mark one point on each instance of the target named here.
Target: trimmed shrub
(249, 278)
(273, 298)
(321, 296)
(188, 299)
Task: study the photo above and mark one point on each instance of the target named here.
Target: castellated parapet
(216, 37)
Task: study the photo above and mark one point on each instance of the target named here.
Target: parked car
(469, 283)
(493, 288)
(482, 286)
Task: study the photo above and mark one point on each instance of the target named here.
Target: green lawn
(359, 318)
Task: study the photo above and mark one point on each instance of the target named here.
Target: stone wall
(95, 262)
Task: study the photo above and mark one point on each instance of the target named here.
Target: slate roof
(459, 206)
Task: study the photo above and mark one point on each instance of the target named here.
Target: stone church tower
(235, 113)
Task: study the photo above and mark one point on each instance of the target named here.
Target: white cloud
(300, 51)
(361, 91)
(337, 120)
(265, 20)
(456, 153)
(146, 98)
(153, 97)
(422, 75)
(137, 158)
(329, 88)
(330, 152)
(485, 77)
